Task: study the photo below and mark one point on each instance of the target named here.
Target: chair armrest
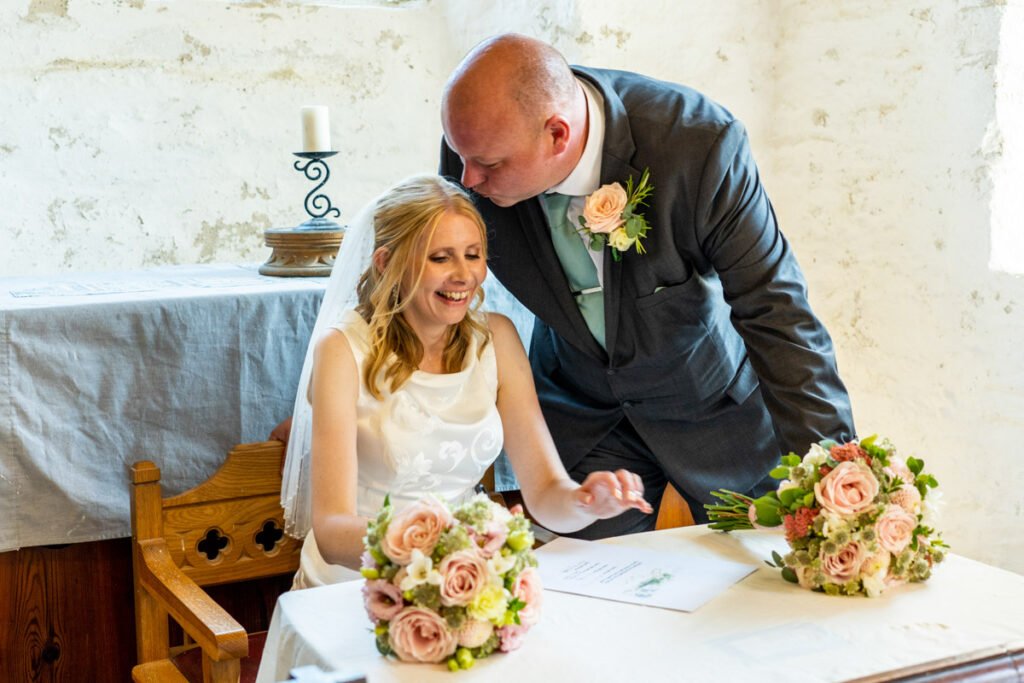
(219, 635)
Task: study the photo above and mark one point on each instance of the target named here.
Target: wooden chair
(227, 529)
(673, 511)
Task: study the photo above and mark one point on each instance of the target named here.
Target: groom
(697, 362)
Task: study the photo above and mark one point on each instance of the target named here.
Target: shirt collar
(586, 177)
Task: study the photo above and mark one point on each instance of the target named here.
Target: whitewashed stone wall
(141, 132)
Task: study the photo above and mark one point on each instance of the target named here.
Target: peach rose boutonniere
(854, 515)
(610, 216)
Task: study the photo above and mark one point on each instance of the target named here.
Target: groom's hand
(606, 494)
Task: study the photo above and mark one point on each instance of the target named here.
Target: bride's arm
(555, 500)
(334, 388)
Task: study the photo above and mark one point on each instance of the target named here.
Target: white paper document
(672, 580)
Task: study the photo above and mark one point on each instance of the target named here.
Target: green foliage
(779, 473)
(915, 465)
(767, 508)
(789, 575)
(427, 595)
(791, 460)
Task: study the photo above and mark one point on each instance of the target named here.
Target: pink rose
(421, 635)
(474, 633)
(383, 600)
(849, 489)
(895, 528)
(511, 637)
(417, 526)
(844, 565)
(463, 576)
(898, 468)
(603, 208)
(528, 589)
(907, 497)
(492, 539)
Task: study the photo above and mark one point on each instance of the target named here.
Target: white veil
(352, 260)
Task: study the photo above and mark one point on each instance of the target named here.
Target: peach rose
(603, 208)
(849, 489)
(895, 528)
(528, 589)
(844, 565)
(463, 575)
(421, 635)
(417, 526)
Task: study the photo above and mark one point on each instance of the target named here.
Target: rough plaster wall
(145, 132)
(880, 164)
(141, 133)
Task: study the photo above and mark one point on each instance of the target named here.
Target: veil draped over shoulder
(352, 260)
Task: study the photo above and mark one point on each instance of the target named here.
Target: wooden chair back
(229, 528)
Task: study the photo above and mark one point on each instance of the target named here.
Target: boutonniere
(610, 216)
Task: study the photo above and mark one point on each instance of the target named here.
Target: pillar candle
(316, 129)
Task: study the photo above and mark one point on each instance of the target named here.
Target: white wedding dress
(437, 434)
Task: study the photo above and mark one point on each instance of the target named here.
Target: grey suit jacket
(717, 304)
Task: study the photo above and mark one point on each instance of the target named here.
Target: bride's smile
(453, 270)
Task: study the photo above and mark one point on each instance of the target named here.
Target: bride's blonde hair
(404, 222)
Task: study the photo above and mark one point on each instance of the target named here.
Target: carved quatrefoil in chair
(227, 529)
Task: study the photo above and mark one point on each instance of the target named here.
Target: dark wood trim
(1003, 664)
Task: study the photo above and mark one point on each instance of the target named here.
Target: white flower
(420, 570)
(499, 564)
(816, 456)
(620, 239)
(931, 506)
(833, 524)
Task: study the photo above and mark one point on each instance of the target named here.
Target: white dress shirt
(586, 177)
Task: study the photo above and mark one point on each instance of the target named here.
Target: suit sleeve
(789, 348)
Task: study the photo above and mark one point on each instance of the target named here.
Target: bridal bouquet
(447, 584)
(857, 517)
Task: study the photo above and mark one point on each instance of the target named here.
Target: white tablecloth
(173, 364)
(762, 628)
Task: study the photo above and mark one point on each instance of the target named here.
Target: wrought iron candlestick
(308, 249)
(313, 168)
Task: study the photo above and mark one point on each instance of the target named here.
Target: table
(762, 628)
(174, 364)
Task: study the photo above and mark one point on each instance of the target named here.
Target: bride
(413, 390)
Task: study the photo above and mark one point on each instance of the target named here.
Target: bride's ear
(380, 259)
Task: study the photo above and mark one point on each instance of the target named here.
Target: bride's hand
(606, 494)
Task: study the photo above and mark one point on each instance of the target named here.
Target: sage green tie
(576, 263)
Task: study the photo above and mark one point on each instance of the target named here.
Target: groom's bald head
(512, 69)
(515, 114)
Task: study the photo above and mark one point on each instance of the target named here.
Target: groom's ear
(558, 128)
(380, 259)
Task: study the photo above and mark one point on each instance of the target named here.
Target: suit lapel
(617, 153)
